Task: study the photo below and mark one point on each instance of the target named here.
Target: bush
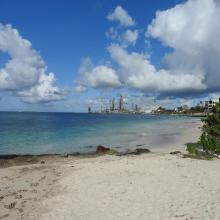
(192, 148)
(210, 138)
(209, 141)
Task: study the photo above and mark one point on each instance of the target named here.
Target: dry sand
(149, 186)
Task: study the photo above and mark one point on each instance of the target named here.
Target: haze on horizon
(65, 56)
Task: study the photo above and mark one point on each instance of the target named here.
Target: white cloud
(44, 91)
(24, 67)
(100, 76)
(125, 38)
(192, 30)
(121, 15)
(103, 76)
(112, 34)
(137, 72)
(25, 71)
(130, 37)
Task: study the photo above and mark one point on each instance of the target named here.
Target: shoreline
(189, 135)
(155, 185)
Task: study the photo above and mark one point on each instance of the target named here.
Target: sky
(67, 55)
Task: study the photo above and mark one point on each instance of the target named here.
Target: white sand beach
(148, 186)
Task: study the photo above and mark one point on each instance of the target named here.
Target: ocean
(42, 133)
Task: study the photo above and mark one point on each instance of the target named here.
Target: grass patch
(195, 151)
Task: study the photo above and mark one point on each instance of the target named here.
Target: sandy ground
(149, 186)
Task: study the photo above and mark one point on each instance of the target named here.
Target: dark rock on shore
(16, 159)
(74, 154)
(102, 149)
(8, 156)
(141, 151)
(176, 152)
(137, 151)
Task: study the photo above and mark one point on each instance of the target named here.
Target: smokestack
(113, 105)
(89, 109)
(121, 103)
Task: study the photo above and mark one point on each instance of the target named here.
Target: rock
(141, 151)
(74, 154)
(8, 156)
(137, 151)
(102, 149)
(176, 152)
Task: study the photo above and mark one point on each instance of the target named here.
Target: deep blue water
(38, 133)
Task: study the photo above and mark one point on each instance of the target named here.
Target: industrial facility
(119, 106)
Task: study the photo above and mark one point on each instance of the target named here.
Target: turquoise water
(39, 133)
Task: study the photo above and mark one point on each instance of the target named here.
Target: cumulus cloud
(24, 67)
(112, 34)
(192, 30)
(121, 15)
(130, 37)
(124, 38)
(44, 91)
(25, 71)
(100, 76)
(137, 72)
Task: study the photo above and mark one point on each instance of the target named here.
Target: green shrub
(209, 141)
(192, 148)
(210, 138)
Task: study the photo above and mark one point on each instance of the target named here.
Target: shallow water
(39, 133)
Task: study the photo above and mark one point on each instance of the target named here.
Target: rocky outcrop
(137, 151)
(102, 149)
(176, 152)
(141, 151)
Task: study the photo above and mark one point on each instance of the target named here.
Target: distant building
(210, 104)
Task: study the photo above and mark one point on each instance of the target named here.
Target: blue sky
(65, 32)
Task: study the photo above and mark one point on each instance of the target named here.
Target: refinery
(120, 106)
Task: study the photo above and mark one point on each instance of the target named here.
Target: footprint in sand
(42, 178)
(18, 197)
(10, 206)
(34, 184)
(4, 216)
